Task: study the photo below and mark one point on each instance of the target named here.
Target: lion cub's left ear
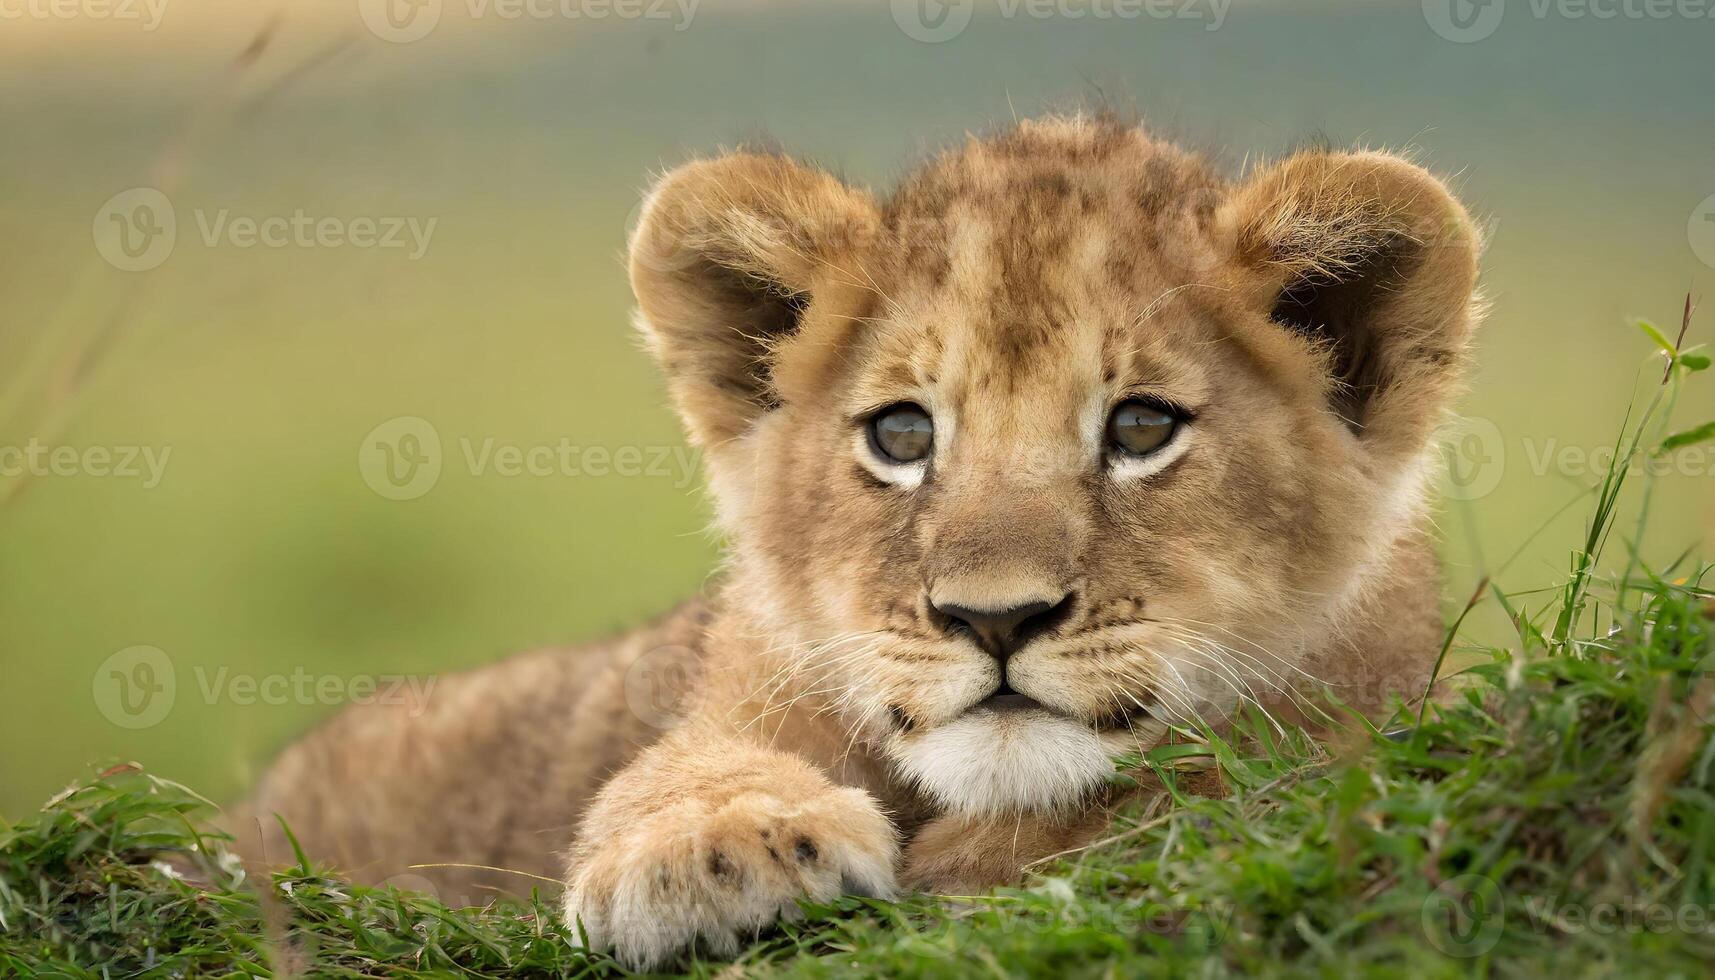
(1373, 260)
(727, 259)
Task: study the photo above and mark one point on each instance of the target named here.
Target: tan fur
(1313, 316)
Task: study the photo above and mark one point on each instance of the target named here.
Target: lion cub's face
(1064, 443)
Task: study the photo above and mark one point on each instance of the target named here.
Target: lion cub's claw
(719, 875)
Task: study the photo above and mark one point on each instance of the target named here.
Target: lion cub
(1066, 441)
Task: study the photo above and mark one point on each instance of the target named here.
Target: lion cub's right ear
(726, 260)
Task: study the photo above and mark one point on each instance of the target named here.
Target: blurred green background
(1586, 145)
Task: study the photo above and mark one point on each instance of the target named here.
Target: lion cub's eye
(1138, 428)
(902, 433)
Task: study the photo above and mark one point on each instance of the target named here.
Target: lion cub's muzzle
(1000, 629)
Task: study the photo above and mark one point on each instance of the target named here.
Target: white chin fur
(988, 762)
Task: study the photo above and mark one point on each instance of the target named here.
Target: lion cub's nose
(1002, 631)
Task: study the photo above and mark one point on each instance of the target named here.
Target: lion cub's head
(1067, 439)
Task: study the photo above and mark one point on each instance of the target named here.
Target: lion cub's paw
(721, 874)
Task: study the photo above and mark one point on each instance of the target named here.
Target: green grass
(1554, 814)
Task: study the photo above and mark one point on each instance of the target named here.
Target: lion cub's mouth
(1006, 701)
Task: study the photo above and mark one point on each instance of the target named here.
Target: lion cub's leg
(955, 854)
(966, 855)
(709, 838)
